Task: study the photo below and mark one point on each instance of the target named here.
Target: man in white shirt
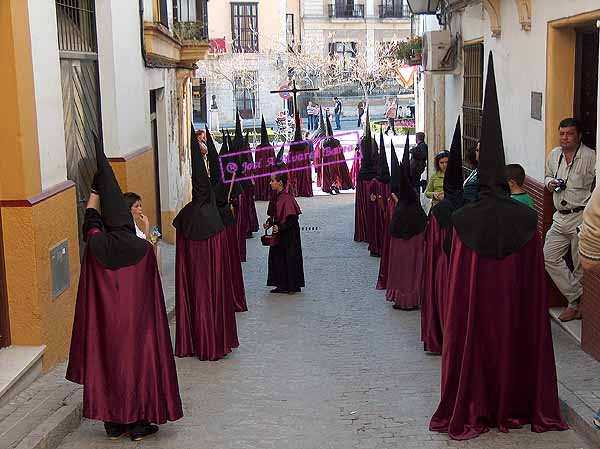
(570, 174)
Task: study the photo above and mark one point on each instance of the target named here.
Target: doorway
(199, 100)
(585, 105)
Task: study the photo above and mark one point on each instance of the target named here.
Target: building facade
(78, 72)
(546, 64)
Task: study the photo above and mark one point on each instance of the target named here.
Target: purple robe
(360, 211)
(498, 366)
(385, 252)
(405, 271)
(121, 347)
(237, 276)
(334, 170)
(300, 173)
(262, 189)
(435, 287)
(204, 292)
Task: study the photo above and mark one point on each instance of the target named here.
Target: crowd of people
(462, 265)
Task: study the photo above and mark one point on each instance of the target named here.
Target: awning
(217, 46)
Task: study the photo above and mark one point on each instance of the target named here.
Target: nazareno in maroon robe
(262, 171)
(354, 170)
(435, 287)
(121, 346)
(385, 252)
(205, 322)
(300, 172)
(237, 276)
(374, 215)
(334, 169)
(404, 285)
(498, 366)
(360, 211)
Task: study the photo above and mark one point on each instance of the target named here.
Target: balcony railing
(394, 9)
(345, 11)
(190, 20)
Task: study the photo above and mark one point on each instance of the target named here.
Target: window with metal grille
(289, 26)
(76, 26)
(472, 95)
(245, 93)
(244, 27)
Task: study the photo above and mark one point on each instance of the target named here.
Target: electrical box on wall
(59, 267)
(439, 51)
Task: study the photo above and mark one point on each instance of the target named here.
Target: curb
(578, 415)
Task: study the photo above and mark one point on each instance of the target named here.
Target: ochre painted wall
(136, 174)
(29, 234)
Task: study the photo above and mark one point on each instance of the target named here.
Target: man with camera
(570, 174)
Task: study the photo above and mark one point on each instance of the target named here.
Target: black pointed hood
(321, 131)
(279, 162)
(383, 172)
(115, 213)
(331, 141)
(453, 189)
(409, 218)
(225, 160)
(118, 246)
(213, 159)
(495, 225)
(220, 189)
(368, 170)
(238, 137)
(328, 124)
(200, 218)
(264, 135)
(395, 171)
(297, 126)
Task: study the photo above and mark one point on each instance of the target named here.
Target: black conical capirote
(213, 158)
(116, 215)
(321, 131)
(368, 169)
(328, 124)
(494, 226)
(395, 170)
(453, 190)
(297, 126)
(264, 135)
(409, 218)
(201, 187)
(238, 137)
(383, 169)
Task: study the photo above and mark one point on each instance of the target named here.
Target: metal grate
(309, 228)
(76, 26)
(473, 95)
(190, 19)
(244, 27)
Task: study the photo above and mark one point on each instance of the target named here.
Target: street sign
(285, 95)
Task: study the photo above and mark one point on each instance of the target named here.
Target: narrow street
(332, 367)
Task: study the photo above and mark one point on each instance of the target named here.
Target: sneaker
(114, 431)
(141, 430)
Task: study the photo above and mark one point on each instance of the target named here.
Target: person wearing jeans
(337, 112)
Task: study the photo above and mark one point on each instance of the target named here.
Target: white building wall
(125, 100)
(48, 99)
(520, 64)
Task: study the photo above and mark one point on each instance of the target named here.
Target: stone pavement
(332, 367)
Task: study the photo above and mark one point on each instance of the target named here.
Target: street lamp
(424, 6)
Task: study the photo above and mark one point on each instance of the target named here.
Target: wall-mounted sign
(217, 46)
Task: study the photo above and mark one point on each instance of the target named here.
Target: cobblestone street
(332, 367)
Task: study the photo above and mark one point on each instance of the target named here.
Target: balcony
(190, 26)
(345, 11)
(394, 10)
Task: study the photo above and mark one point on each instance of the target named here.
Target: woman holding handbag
(286, 271)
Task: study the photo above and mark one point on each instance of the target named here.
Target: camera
(561, 184)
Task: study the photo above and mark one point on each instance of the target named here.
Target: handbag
(269, 240)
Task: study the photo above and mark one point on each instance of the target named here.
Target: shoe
(141, 430)
(115, 431)
(569, 314)
(406, 309)
(278, 290)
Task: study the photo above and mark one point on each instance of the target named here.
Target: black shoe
(141, 430)
(406, 309)
(114, 431)
(279, 290)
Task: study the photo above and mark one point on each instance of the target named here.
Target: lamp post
(424, 6)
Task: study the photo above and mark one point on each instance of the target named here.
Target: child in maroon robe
(121, 347)
(286, 271)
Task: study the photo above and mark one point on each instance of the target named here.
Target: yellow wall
(560, 73)
(29, 234)
(136, 174)
(19, 164)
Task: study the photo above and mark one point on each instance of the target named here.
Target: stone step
(21, 365)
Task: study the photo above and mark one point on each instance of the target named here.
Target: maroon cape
(205, 325)
(334, 169)
(405, 271)
(375, 213)
(262, 169)
(242, 223)
(300, 173)
(360, 211)
(497, 361)
(121, 347)
(435, 287)
(385, 252)
(237, 276)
